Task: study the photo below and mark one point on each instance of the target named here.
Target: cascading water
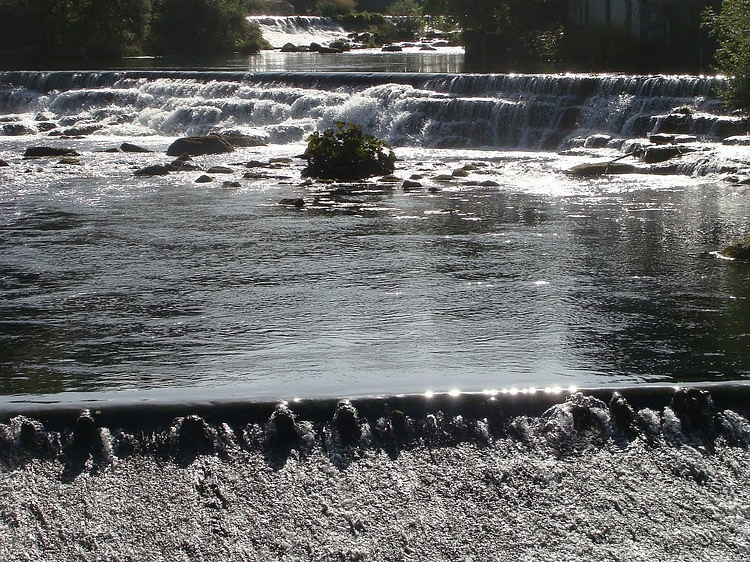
(298, 30)
(429, 110)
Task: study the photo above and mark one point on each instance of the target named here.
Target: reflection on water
(470, 288)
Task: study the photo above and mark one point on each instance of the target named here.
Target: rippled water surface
(516, 275)
(152, 284)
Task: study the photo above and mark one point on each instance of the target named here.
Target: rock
(678, 121)
(204, 179)
(44, 151)
(16, 130)
(662, 138)
(444, 177)
(3, 164)
(597, 141)
(392, 49)
(241, 140)
(129, 147)
(459, 173)
(81, 130)
(738, 251)
(184, 164)
(410, 184)
(280, 160)
(231, 184)
(488, 183)
(153, 170)
(297, 202)
(654, 154)
(601, 168)
(290, 48)
(69, 160)
(200, 145)
(45, 126)
(740, 140)
(390, 179)
(256, 164)
(219, 170)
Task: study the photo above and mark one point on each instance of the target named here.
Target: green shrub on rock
(738, 251)
(346, 153)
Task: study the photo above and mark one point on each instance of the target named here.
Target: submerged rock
(220, 170)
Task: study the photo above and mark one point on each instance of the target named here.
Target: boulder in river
(200, 145)
(662, 153)
(601, 168)
(153, 170)
(290, 48)
(130, 147)
(737, 140)
(44, 151)
(241, 140)
(16, 129)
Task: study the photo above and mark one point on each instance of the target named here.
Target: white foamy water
(298, 30)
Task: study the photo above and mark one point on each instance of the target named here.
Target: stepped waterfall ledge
(431, 110)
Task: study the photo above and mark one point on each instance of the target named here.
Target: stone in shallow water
(43, 151)
(200, 145)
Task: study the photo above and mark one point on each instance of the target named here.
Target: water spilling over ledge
(407, 109)
(635, 474)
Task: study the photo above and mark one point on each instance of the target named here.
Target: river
(486, 356)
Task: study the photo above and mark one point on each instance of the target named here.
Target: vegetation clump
(346, 153)
(739, 250)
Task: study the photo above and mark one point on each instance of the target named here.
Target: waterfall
(298, 30)
(408, 109)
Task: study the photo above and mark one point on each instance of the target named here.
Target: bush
(346, 153)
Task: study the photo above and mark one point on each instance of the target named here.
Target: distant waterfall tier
(427, 110)
(298, 30)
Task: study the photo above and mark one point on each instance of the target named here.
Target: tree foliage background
(107, 29)
(731, 28)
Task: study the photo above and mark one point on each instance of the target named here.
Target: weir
(632, 476)
(407, 109)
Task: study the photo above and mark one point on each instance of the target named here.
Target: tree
(505, 32)
(202, 27)
(731, 28)
(96, 29)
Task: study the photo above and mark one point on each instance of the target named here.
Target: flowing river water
(483, 267)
